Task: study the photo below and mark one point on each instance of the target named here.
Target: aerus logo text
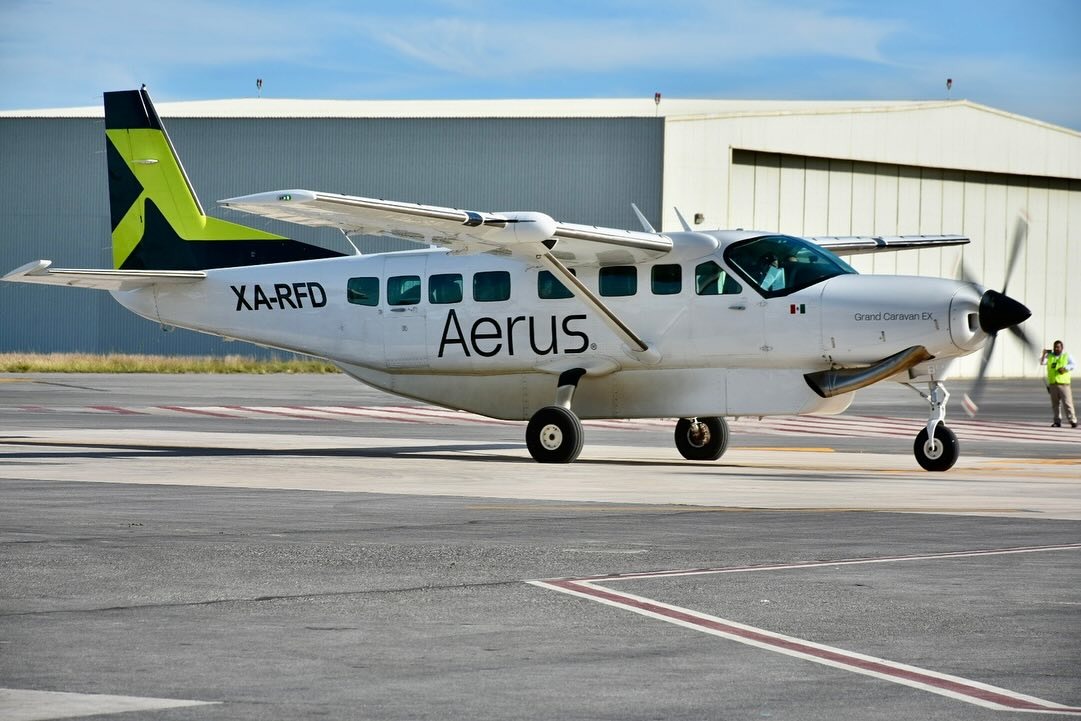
(490, 336)
(282, 296)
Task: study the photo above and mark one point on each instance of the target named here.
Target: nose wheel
(939, 453)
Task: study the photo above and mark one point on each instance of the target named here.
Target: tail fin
(157, 220)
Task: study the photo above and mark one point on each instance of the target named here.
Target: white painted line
(955, 687)
(841, 562)
(26, 705)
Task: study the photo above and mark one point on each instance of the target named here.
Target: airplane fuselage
(486, 334)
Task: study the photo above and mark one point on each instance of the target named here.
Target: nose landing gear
(936, 447)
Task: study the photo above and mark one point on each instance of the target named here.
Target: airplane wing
(40, 271)
(462, 231)
(860, 244)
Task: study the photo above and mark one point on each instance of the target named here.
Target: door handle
(737, 307)
(399, 309)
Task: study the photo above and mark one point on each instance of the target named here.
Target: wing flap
(41, 272)
(861, 244)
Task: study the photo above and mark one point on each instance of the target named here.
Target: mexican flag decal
(797, 309)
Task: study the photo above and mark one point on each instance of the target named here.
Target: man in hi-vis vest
(1059, 364)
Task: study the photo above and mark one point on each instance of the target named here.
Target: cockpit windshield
(780, 264)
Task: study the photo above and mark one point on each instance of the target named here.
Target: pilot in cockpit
(773, 273)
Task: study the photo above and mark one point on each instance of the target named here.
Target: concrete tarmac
(303, 547)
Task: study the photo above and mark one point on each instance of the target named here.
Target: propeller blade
(1025, 340)
(966, 276)
(1020, 232)
(972, 400)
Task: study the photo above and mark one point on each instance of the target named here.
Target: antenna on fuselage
(642, 219)
(682, 220)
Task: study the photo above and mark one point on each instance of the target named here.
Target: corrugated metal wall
(54, 202)
(820, 196)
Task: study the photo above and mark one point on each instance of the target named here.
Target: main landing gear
(936, 447)
(554, 433)
(701, 439)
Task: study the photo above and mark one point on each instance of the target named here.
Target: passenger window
(549, 287)
(445, 288)
(617, 280)
(491, 285)
(711, 279)
(362, 291)
(403, 290)
(667, 279)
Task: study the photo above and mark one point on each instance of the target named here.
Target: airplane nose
(999, 311)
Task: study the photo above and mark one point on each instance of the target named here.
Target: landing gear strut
(701, 439)
(936, 447)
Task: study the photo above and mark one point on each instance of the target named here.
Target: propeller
(998, 312)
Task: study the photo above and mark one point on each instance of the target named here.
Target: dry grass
(128, 363)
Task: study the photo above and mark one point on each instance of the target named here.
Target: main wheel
(703, 439)
(939, 455)
(554, 435)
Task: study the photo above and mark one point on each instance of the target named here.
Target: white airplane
(518, 316)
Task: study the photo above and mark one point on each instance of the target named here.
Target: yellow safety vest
(1054, 362)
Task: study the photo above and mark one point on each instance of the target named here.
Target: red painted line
(198, 412)
(441, 413)
(116, 409)
(909, 675)
(944, 684)
(274, 412)
(358, 413)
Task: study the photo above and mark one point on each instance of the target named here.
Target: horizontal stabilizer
(40, 271)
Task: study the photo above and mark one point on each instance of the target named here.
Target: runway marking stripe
(962, 689)
(18, 704)
(276, 411)
(199, 411)
(117, 409)
(820, 564)
(955, 687)
(358, 411)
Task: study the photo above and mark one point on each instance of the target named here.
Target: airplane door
(404, 325)
(727, 327)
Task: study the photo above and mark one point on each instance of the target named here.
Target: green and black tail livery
(157, 220)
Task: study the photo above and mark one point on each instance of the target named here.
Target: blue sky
(1023, 56)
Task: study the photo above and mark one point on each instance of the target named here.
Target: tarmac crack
(263, 599)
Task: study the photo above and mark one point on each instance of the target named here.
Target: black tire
(706, 442)
(554, 435)
(942, 455)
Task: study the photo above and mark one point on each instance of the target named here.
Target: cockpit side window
(777, 265)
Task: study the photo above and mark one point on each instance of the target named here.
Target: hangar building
(803, 168)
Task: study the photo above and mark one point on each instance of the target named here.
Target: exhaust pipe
(833, 382)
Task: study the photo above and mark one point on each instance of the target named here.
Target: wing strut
(634, 343)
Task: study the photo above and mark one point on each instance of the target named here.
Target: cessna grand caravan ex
(518, 316)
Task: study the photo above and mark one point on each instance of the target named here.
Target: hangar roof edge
(674, 109)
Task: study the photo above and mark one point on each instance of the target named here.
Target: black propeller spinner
(998, 312)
